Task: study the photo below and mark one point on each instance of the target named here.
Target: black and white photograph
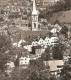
(35, 39)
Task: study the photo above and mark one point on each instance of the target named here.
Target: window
(34, 25)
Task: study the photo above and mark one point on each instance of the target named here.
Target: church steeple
(34, 8)
(34, 17)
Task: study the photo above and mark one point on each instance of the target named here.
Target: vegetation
(60, 5)
(66, 72)
(5, 47)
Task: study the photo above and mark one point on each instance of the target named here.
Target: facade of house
(24, 62)
(55, 66)
(38, 51)
(9, 67)
(46, 42)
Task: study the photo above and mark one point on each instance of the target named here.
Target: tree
(35, 71)
(58, 6)
(45, 56)
(38, 70)
(5, 46)
(58, 51)
(64, 31)
(67, 4)
(66, 72)
(61, 5)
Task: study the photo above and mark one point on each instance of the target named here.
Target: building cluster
(46, 42)
(33, 51)
(36, 49)
(22, 16)
(16, 14)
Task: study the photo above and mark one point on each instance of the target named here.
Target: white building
(47, 41)
(10, 66)
(34, 43)
(54, 40)
(24, 61)
(56, 28)
(55, 66)
(34, 17)
(40, 42)
(21, 42)
(28, 48)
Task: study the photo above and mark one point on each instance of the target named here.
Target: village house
(9, 67)
(28, 47)
(24, 62)
(38, 51)
(40, 42)
(55, 66)
(19, 44)
(63, 17)
(46, 41)
(35, 43)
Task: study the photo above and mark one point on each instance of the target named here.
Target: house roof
(54, 63)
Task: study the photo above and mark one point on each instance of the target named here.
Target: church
(38, 24)
(34, 17)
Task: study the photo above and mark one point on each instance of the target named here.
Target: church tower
(34, 17)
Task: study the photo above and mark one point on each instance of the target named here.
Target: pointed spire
(34, 5)
(34, 8)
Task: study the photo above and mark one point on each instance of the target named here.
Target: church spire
(34, 12)
(34, 5)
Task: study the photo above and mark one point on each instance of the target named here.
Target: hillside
(61, 17)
